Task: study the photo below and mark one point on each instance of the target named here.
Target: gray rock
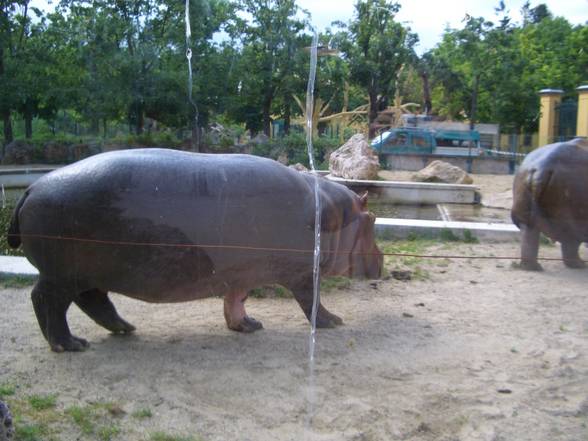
(355, 160)
(299, 167)
(19, 152)
(443, 172)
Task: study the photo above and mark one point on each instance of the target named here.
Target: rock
(56, 153)
(355, 160)
(6, 426)
(498, 200)
(443, 172)
(299, 167)
(19, 152)
(81, 151)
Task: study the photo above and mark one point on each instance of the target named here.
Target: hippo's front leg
(304, 296)
(235, 315)
(530, 248)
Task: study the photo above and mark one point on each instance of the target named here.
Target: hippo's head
(351, 249)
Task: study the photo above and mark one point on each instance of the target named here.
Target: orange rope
(252, 248)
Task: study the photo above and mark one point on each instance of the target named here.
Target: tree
(376, 46)
(269, 41)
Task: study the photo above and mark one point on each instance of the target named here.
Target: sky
(428, 18)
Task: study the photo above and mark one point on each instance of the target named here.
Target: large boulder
(20, 152)
(355, 160)
(443, 172)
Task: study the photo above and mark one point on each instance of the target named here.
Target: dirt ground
(469, 350)
(474, 350)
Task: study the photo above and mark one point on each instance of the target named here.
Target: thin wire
(271, 249)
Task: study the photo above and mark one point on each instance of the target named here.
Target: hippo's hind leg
(235, 315)
(98, 307)
(324, 318)
(571, 257)
(530, 248)
(51, 304)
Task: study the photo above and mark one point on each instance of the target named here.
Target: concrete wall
(481, 165)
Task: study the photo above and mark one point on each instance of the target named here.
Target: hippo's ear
(363, 201)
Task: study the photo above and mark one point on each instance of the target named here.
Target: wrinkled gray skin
(550, 196)
(6, 426)
(167, 226)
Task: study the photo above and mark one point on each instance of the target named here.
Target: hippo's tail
(13, 236)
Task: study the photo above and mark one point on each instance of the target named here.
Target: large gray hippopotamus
(550, 196)
(167, 226)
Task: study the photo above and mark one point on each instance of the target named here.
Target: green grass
(141, 414)
(7, 390)
(16, 281)
(83, 417)
(30, 432)
(42, 402)
(334, 283)
(161, 436)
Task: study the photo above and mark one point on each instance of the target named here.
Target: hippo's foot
(527, 265)
(98, 307)
(575, 263)
(120, 327)
(71, 344)
(325, 319)
(247, 325)
(235, 315)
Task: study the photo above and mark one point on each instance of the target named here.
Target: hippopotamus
(161, 225)
(550, 196)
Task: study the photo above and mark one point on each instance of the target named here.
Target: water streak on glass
(317, 222)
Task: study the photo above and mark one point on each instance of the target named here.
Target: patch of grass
(546, 241)
(447, 235)
(7, 390)
(30, 432)
(16, 281)
(270, 291)
(42, 402)
(83, 418)
(335, 282)
(142, 413)
(161, 436)
(468, 237)
(106, 433)
(94, 419)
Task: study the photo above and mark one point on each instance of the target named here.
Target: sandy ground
(474, 351)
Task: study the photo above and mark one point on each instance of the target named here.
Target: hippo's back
(120, 217)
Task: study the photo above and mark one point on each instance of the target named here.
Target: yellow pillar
(582, 126)
(550, 99)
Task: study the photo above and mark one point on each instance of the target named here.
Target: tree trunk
(8, 134)
(95, 126)
(372, 114)
(105, 127)
(427, 93)
(287, 117)
(267, 119)
(28, 117)
(474, 108)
